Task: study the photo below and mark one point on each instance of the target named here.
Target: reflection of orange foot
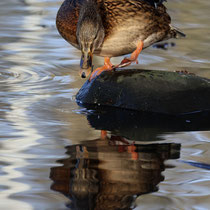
(132, 150)
(103, 134)
(106, 67)
(119, 139)
(134, 56)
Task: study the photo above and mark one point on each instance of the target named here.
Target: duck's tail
(176, 33)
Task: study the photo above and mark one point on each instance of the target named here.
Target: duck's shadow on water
(111, 172)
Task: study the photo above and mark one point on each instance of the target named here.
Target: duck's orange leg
(134, 56)
(106, 67)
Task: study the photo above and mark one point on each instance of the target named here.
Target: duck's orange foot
(184, 72)
(106, 67)
(134, 56)
(126, 62)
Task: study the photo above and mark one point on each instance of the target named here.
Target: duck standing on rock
(111, 28)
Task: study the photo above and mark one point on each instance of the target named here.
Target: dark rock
(147, 90)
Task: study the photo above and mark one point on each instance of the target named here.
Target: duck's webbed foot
(106, 67)
(184, 72)
(134, 56)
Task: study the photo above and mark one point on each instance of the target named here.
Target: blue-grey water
(51, 155)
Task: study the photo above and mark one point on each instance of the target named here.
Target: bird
(111, 28)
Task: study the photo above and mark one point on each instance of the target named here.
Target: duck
(111, 28)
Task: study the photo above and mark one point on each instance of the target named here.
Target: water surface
(48, 144)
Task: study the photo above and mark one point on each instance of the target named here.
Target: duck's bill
(85, 72)
(85, 64)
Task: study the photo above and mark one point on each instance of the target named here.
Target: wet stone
(147, 90)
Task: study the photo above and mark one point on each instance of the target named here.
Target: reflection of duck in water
(103, 174)
(112, 28)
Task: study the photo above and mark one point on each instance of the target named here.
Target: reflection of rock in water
(98, 175)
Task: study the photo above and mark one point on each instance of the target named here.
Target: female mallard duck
(112, 28)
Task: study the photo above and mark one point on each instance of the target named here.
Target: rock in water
(147, 90)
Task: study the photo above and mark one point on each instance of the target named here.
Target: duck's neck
(89, 5)
(89, 14)
(89, 24)
(89, 10)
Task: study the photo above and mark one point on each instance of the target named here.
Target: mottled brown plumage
(125, 23)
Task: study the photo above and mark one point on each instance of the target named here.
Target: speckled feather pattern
(125, 22)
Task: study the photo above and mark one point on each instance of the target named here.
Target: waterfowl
(112, 28)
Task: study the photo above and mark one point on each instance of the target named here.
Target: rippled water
(47, 160)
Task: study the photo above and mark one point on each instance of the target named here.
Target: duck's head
(90, 36)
